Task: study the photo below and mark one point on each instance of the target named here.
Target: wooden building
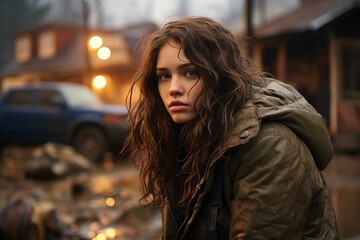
(61, 53)
(316, 48)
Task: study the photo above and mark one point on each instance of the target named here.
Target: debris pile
(62, 195)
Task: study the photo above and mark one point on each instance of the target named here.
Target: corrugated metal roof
(311, 17)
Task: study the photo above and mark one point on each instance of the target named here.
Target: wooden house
(316, 48)
(61, 53)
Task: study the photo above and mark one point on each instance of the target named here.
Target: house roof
(70, 57)
(310, 17)
(134, 36)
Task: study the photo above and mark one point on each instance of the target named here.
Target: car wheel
(90, 141)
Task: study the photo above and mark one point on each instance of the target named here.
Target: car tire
(90, 141)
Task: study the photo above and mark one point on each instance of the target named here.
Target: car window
(46, 98)
(20, 98)
(77, 96)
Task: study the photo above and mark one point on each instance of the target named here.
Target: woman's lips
(176, 106)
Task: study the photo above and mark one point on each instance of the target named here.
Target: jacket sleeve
(271, 190)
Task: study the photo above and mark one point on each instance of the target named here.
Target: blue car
(67, 113)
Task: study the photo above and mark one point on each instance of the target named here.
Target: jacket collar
(247, 126)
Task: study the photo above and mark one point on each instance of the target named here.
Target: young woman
(225, 152)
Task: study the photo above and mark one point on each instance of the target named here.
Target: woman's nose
(175, 87)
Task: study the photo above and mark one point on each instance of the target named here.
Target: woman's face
(179, 84)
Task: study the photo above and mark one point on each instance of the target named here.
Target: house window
(23, 48)
(46, 45)
(350, 56)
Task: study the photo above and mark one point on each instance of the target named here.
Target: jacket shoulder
(275, 144)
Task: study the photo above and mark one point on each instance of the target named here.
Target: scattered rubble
(53, 160)
(76, 199)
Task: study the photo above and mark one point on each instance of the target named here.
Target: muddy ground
(94, 201)
(100, 201)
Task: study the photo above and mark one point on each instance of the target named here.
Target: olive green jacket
(272, 184)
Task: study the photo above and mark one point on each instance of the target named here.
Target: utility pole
(249, 26)
(85, 33)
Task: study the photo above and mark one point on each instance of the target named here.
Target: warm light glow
(110, 233)
(99, 82)
(101, 236)
(110, 202)
(104, 53)
(95, 42)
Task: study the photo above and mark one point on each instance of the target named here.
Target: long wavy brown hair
(172, 158)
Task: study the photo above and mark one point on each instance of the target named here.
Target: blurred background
(313, 45)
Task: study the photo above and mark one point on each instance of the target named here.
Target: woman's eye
(192, 74)
(163, 76)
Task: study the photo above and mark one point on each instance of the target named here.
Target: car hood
(106, 108)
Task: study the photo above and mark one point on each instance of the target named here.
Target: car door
(49, 116)
(17, 116)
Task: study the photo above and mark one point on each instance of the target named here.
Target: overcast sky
(122, 12)
(161, 10)
(119, 13)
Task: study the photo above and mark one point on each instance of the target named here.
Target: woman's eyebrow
(185, 65)
(181, 66)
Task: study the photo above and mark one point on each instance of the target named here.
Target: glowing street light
(99, 82)
(104, 53)
(95, 42)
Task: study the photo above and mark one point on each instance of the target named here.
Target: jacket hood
(280, 102)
